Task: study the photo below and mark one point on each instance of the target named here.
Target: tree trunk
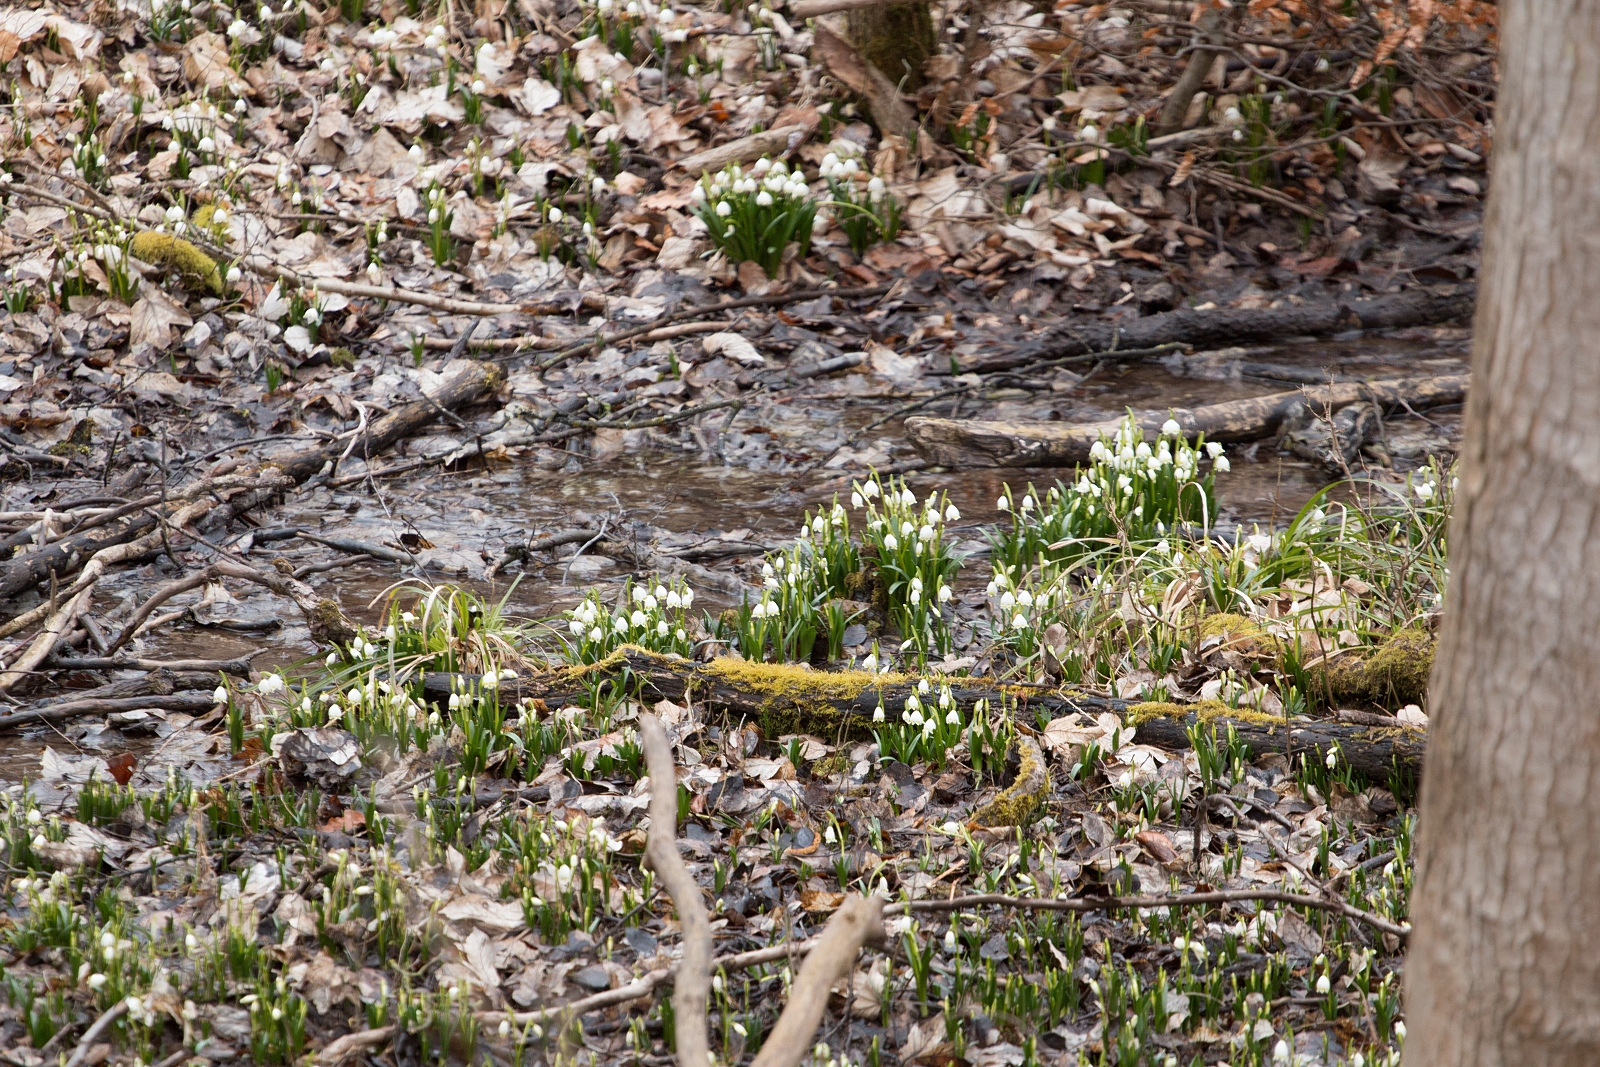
(1505, 961)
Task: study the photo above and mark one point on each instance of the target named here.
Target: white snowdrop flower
(1221, 464)
(876, 186)
(1089, 133)
(1097, 451)
(1007, 601)
(174, 213)
(1171, 428)
(650, 603)
(764, 198)
(1400, 1031)
(926, 533)
(433, 215)
(724, 209)
(870, 663)
(1280, 1051)
(478, 86)
(1142, 452)
(556, 215)
(1323, 985)
(1321, 65)
(1332, 758)
(1018, 622)
(416, 153)
(220, 694)
(234, 274)
(596, 634)
(638, 618)
(312, 316)
(1238, 135)
(662, 629)
(1423, 490)
(236, 28)
(951, 513)
(577, 627)
(891, 542)
(906, 529)
(1025, 598)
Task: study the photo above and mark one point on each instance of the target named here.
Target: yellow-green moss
(1240, 634)
(1396, 674)
(78, 442)
(795, 699)
(174, 253)
(1203, 710)
(1020, 801)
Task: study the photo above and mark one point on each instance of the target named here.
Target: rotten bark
(969, 443)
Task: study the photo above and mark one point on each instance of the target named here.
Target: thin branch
(694, 969)
(91, 1035)
(858, 922)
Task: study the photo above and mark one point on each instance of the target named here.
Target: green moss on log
(174, 253)
(1394, 675)
(1204, 711)
(1019, 802)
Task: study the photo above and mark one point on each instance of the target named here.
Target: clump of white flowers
(655, 617)
(753, 215)
(915, 562)
(1131, 488)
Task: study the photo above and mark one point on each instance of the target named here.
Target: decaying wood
(238, 666)
(693, 983)
(192, 703)
(971, 443)
(1219, 327)
(857, 923)
(60, 623)
(784, 698)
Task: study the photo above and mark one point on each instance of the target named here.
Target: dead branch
(1220, 327)
(693, 986)
(59, 624)
(791, 699)
(91, 1035)
(191, 703)
(858, 922)
(1221, 896)
(968, 443)
(239, 666)
(1194, 75)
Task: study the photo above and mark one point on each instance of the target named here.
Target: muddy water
(760, 491)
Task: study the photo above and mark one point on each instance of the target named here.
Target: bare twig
(858, 922)
(91, 1035)
(693, 981)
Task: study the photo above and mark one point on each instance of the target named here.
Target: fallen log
(969, 443)
(1218, 327)
(839, 705)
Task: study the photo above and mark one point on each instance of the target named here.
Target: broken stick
(858, 922)
(693, 982)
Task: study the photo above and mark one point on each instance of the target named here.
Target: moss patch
(174, 253)
(1203, 710)
(797, 700)
(1396, 674)
(1239, 634)
(1020, 801)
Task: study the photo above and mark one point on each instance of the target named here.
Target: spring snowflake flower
(1171, 428)
(1221, 465)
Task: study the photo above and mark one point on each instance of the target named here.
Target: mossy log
(972, 443)
(839, 705)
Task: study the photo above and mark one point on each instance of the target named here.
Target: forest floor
(391, 423)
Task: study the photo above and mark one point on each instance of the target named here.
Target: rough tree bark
(1505, 961)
